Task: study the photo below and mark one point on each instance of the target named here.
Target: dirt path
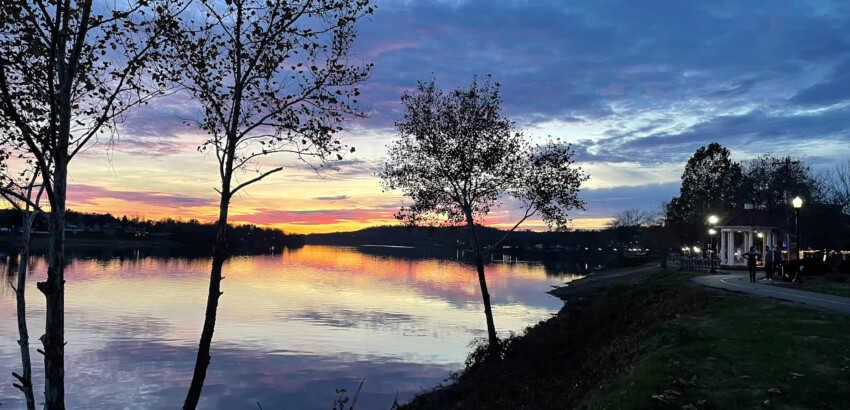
(739, 282)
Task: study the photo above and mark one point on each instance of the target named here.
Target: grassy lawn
(665, 343)
(839, 289)
(743, 353)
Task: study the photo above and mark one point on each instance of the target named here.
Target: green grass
(741, 353)
(629, 261)
(670, 280)
(839, 289)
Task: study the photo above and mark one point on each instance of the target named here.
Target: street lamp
(713, 221)
(798, 203)
(711, 232)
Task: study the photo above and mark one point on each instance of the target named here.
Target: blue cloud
(609, 201)
(602, 59)
(631, 82)
(834, 89)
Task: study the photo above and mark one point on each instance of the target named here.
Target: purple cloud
(608, 62)
(316, 217)
(332, 198)
(89, 194)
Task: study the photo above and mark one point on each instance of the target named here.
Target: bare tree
(21, 193)
(69, 71)
(632, 217)
(838, 186)
(457, 157)
(272, 78)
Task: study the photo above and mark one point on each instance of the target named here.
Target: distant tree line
(608, 240)
(191, 233)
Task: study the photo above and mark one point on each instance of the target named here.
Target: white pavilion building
(749, 227)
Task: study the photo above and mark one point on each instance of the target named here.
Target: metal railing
(695, 264)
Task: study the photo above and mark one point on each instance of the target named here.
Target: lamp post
(713, 221)
(798, 203)
(711, 254)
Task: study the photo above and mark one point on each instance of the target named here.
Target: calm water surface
(291, 328)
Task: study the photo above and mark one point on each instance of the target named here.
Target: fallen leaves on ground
(685, 383)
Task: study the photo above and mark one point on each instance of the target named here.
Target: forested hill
(188, 233)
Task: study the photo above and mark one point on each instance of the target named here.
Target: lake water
(291, 327)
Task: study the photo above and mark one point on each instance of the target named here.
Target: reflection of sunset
(311, 299)
(429, 275)
(337, 305)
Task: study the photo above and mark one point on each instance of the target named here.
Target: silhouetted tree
(68, 71)
(271, 77)
(23, 193)
(627, 224)
(457, 157)
(632, 217)
(711, 183)
(838, 186)
(770, 183)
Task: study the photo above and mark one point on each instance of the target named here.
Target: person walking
(777, 260)
(752, 257)
(768, 264)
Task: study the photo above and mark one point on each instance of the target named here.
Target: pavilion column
(763, 244)
(722, 254)
(731, 250)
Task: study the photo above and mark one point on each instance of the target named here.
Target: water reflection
(292, 327)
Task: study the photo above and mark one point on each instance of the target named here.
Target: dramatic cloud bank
(637, 87)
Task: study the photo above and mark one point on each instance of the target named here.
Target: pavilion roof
(753, 217)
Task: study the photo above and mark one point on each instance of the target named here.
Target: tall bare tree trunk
(202, 361)
(482, 281)
(485, 296)
(54, 292)
(25, 378)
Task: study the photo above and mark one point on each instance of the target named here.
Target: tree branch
(258, 178)
(528, 213)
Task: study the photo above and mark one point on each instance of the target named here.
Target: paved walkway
(740, 282)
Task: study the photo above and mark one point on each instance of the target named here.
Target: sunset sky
(637, 87)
